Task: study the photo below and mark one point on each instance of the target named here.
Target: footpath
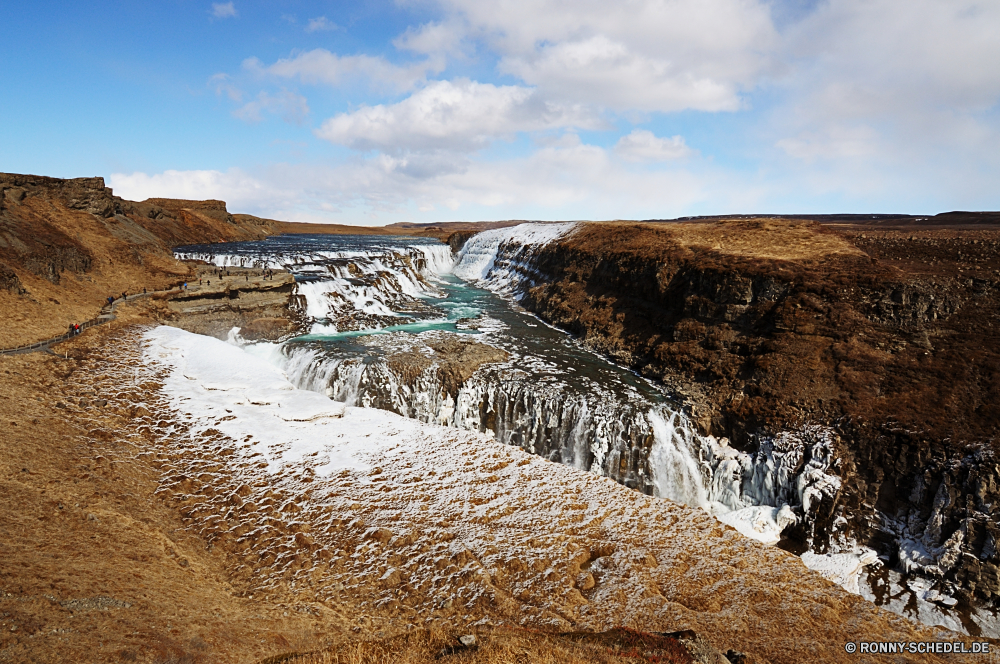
(227, 276)
(106, 316)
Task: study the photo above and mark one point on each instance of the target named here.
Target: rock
(468, 640)
(874, 338)
(60, 404)
(100, 403)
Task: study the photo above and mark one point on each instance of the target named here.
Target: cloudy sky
(436, 110)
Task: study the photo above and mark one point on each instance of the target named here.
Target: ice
(760, 522)
(844, 569)
(494, 256)
(243, 397)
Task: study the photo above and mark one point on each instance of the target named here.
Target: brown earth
(124, 539)
(66, 245)
(891, 336)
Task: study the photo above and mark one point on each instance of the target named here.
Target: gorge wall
(889, 337)
(66, 244)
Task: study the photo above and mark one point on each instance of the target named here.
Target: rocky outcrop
(891, 339)
(37, 229)
(259, 307)
(455, 360)
(66, 244)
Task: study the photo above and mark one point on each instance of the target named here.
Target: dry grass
(768, 239)
(502, 646)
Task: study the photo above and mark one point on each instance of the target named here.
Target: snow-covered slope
(405, 523)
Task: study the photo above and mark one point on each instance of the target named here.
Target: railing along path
(107, 314)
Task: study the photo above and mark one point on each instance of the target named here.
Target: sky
(462, 110)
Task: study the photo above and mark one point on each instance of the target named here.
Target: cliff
(890, 337)
(65, 245)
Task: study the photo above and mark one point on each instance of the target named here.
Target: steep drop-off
(889, 337)
(65, 245)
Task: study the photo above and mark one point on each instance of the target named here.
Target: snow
(760, 522)
(844, 569)
(225, 389)
(392, 518)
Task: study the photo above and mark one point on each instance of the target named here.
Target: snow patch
(224, 389)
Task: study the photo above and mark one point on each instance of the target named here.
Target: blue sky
(437, 110)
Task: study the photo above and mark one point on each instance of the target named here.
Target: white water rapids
(370, 301)
(622, 430)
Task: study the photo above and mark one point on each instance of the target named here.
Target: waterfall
(617, 431)
(500, 259)
(677, 474)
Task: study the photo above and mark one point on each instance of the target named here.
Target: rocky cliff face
(889, 337)
(65, 245)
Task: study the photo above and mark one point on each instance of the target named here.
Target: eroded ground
(128, 538)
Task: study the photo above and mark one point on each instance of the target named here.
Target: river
(403, 324)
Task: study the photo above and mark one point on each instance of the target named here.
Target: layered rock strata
(66, 245)
(888, 337)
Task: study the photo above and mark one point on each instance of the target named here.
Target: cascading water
(380, 307)
(401, 324)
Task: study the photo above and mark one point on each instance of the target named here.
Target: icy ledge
(223, 389)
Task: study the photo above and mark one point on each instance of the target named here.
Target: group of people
(267, 274)
(74, 329)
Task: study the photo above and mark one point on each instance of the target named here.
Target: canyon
(888, 336)
(840, 376)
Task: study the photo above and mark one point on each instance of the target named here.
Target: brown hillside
(65, 245)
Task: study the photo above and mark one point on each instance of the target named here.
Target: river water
(390, 318)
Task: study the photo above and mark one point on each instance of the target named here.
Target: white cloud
(836, 142)
(452, 115)
(320, 24)
(905, 83)
(323, 67)
(222, 83)
(607, 73)
(580, 181)
(648, 55)
(238, 188)
(873, 54)
(432, 38)
(292, 107)
(223, 10)
(643, 145)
